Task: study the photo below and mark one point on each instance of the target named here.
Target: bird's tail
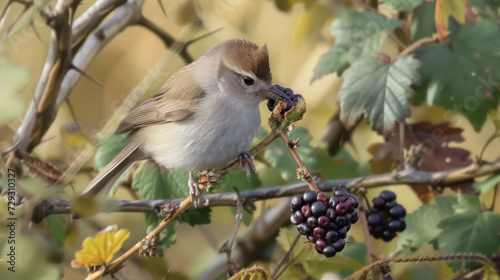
(104, 181)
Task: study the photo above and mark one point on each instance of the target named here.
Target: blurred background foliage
(297, 33)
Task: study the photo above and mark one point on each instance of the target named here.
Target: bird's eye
(248, 81)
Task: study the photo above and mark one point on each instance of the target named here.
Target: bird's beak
(275, 94)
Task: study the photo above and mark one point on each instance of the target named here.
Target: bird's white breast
(220, 130)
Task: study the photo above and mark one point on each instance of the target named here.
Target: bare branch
(408, 177)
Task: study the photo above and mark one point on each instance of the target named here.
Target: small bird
(205, 115)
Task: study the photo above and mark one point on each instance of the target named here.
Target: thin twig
(228, 246)
(488, 142)
(302, 168)
(285, 258)
(420, 43)
(366, 233)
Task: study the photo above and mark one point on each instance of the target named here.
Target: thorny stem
(291, 148)
(448, 257)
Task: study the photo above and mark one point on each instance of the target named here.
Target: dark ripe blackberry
(312, 238)
(306, 211)
(312, 221)
(320, 246)
(304, 229)
(296, 203)
(355, 199)
(388, 235)
(333, 226)
(310, 197)
(403, 224)
(339, 245)
(299, 217)
(378, 203)
(270, 104)
(318, 209)
(331, 214)
(348, 217)
(329, 251)
(322, 197)
(394, 226)
(319, 232)
(387, 195)
(391, 204)
(374, 219)
(343, 232)
(341, 208)
(342, 198)
(349, 202)
(340, 192)
(397, 211)
(354, 216)
(331, 236)
(340, 221)
(323, 221)
(333, 201)
(292, 219)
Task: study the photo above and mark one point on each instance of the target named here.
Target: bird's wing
(175, 102)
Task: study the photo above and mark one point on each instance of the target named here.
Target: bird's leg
(246, 163)
(196, 196)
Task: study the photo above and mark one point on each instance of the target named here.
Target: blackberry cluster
(386, 217)
(325, 220)
(294, 98)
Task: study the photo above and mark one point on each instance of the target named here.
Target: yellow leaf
(253, 273)
(99, 250)
(461, 10)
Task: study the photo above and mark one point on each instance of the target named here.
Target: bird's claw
(246, 163)
(197, 198)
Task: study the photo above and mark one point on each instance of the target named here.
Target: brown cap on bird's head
(249, 57)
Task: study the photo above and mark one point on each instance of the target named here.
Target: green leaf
(487, 184)
(152, 182)
(108, 149)
(422, 224)
(492, 4)
(196, 216)
(469, 233)
(278, 155)
(379, 90)
(342, 165)
(56, 228)
(357, 34)
(403, 5)
(334, 60)
(462, 75)
(422, 24)
(467, 203)
(12, 78)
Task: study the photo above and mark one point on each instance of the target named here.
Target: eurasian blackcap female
(204, 116)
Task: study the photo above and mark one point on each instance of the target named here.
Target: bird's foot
(194, 191)
(246, 163)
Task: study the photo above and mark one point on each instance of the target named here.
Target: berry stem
(366, 232)
(285, 258)
(304, 174)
